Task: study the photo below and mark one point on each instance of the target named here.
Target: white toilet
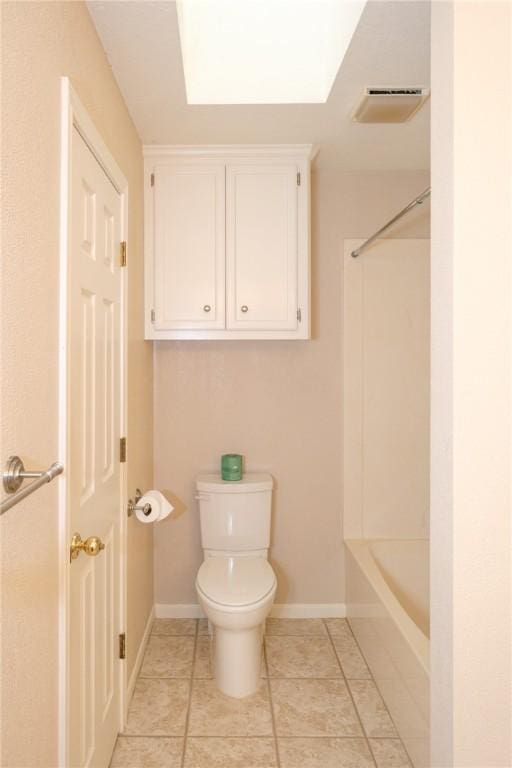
(236, 584)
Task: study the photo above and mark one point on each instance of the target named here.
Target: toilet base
(237, 660)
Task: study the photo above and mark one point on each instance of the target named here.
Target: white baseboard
(138, 660)
(279, 611)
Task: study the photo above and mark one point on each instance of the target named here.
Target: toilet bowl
(236, 584)
(236, 594)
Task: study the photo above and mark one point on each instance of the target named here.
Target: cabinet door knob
(244, 308)
(207, 308)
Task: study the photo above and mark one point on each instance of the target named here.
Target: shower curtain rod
(417, 201)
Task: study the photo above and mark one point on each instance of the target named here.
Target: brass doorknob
(91, 546)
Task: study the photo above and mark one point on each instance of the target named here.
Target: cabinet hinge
(153, 316)
(122, 251)
(152, 179)
(298, 178)
(299, 315)
(122, 645)
(122, 450)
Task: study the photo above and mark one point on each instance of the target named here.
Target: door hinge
(298, 178)
(122, 450)
(153, 316)
(122, 645)
(299, 315)
(152, 179)
(122, 249)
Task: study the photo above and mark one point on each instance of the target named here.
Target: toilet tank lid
(251, 482)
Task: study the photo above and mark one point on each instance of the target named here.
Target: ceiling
(391, 47)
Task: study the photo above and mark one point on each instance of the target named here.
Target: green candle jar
(231, 466)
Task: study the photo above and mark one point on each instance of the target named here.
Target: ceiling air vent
(389, 105)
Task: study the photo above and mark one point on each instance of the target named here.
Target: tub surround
(386, 428)
(386, 594)
(394, 647)
(404, 565)
(386, 314)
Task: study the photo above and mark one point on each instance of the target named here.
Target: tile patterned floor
(317, 705)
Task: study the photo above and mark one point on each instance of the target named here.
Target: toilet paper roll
(160, 507)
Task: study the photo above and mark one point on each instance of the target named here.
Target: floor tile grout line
(270, 677)
(114, 751)
(395, 738)
(372, 678)
(149, 736)
(254, 738)
(296, 634)
(187, 716)
(272, 716)
(376, 738)
(163, 677)
(356, 646)
(170, 635)
(363, 729)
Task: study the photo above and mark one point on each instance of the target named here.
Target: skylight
(264, 51)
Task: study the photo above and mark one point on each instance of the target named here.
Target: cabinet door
(189, 246)
(261, 247)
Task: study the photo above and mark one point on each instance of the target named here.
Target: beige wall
(471, 626)
(42, 41)
(279, 404)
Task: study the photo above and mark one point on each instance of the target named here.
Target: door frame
(74, 115)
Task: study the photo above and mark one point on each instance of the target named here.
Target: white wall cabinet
(189, 243)
(227, 242)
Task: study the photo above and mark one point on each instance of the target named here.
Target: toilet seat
(235, 581)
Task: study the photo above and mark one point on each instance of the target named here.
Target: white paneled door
(95, 354)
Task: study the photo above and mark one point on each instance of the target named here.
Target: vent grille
(394, 91)
(389, 105)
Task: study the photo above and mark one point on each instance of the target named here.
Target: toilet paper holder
(133, 504)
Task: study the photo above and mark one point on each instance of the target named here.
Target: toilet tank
(235, 515)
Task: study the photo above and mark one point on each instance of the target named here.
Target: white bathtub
(388, 610)
(405, 568)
